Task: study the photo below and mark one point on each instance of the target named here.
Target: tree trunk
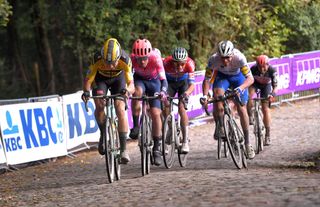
(14, 52)
(44, 45)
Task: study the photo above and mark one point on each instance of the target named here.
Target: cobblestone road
(285, 174)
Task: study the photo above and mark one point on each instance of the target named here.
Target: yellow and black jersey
(98, 65)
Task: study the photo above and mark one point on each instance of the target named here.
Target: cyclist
(149, 78)
(265, 79)
(230, 68)
(179, 70)
(111, 70)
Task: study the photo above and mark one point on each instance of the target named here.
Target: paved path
(283, 175)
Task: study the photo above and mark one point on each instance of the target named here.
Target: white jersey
(238, 62)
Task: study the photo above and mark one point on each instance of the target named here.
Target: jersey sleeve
(126, 65)
(274, 77)
(209, 69)
(160, 68)
(191, 68)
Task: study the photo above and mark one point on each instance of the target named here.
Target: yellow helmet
(111, 50)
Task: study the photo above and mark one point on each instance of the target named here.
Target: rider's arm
(162, 74)
(274, 80)
(249, 78)
(126, 63)
(190, 69)
(89, 78)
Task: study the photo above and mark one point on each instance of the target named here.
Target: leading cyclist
(179, 70)
(265, 79)
(111, 70)
(230, 67)
(149, 78)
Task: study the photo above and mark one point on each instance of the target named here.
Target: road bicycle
(234, 135)
(258, 125)
(172, 137)
(145, 140)
(111, 142)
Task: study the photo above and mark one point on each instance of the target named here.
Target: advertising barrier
(40, 130)
(32, 131)
(80, 125)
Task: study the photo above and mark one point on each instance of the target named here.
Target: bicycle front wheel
(258, 132)
(233, 138)
(145, 140)
(116, 151)
(182, 156)
(108, 146)
(168, 143)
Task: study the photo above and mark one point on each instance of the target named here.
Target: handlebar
(107, 97)
(182, 99)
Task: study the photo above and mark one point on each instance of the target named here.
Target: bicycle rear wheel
(168, 143)
(232, 137)
(108, 143)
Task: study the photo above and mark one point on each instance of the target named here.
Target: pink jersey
(173, 74)
(154, 67)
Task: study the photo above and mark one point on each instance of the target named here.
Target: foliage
(5, 12)
(76, 29)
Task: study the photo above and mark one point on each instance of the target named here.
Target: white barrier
(80, 126)
(32, 131)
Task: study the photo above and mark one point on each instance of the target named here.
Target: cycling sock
(123, 140)
(220, 120)
(246, 136)
(157, 143)
(135, 121)
(267, 131)
(102, 127)
(185, 131)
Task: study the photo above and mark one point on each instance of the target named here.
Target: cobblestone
(284, 174)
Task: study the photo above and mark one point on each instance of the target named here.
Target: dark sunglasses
(142, 58)
(181, 63)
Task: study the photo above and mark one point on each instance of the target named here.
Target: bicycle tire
(258, 133)
(182, 157)
(232, 137)
(143, 145)
(108, 146)
(225, 148)
(219, 148)
(241, 136)
(117, 164)
(263, 130)
(168, 143)
(149, 144)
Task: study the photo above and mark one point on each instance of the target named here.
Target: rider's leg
(266, 121)
(156, 134)
(184, 128)
(219, 110)
(123, 129)
(136, 109)
(250, 104)
(265, 91)
(100, 117)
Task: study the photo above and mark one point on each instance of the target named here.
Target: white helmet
(225, 48)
